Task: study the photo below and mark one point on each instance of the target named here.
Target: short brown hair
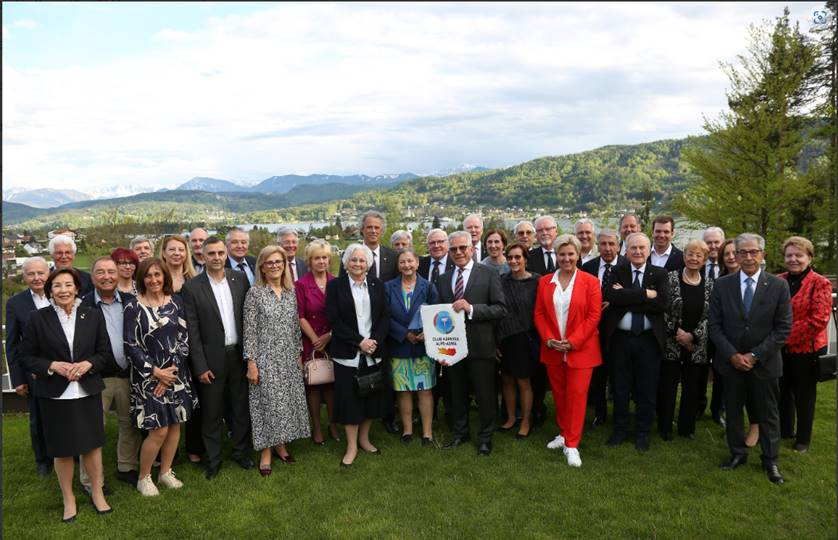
(143, 269)
(664, 219)
(55, 273)
(503, 239)
(517, 245)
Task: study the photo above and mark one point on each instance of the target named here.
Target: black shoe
(344, 465)
(734, 462)
(641, 443)
(212, 471)
(376, 452)
(406, 438)
(101, 512)
(71, 519)
(616, 439)
(484, 449)
(105, 490)
(666, 435)
(598, 421)
(129, 477)
(455, 442)
(244, 462)
(719, 418)
(800, 448)
(390, 426)
(427, 441)
(774, 473)
(538, 419)
(521, 436)
(44, 469)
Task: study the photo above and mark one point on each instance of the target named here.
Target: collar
(442, 260)
(98, 299)
(743, 276)
(642, 269)
(377, 251)
(36, 296)
(665, 253)
(466, 268)
(556, 276)
(354, 284)
(235, 264)
(60, 310)
(546, 250)
(602, 262)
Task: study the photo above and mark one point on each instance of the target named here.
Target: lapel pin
(82, 315)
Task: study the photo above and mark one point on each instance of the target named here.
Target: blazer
(19, 309)
(423, 293)
(582, 322)
(621, 301)
(89, 300)
(763, 332)
(592, 266)
(535, 261)
(340, 310)
(675, 261)
(425, 266)
(251, 262)
(673, 318)
(44, 342)
(485, 293)
(811, 308)
(389, 265)
(302, 268)
(203, 320)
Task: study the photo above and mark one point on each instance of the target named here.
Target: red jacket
(582, 320)
(811, 308)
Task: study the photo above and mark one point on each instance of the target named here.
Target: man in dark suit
(750, 319)
(288, 240)
(62, 249)
(473, 225)
(476, 290)
(585, 233)
(602, 267)
(629, 223)
(437, 262)
(238, 242)
(196, 241)
(664, 254)
(714, 237)
(214, 302)
(18, 310)
(635, 336)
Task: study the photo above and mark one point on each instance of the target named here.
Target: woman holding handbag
(311, 308)
(272, 347)
(360, 318)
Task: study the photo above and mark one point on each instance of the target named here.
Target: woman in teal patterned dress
(412, 370)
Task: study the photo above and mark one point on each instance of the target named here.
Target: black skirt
(350, 408)
(73, 426)
(519, 356)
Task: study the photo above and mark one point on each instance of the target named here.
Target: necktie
(458, 285)
(435, 272)
(241, 267)
(713, 270)
(636, 318)
(293, 270)
(374, 267)
(551, 266)
(748, 298)
(606, 274)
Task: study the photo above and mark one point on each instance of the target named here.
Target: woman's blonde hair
(315, 248)
(187, 268)
(699, 245)
(287, 281)
(800, 243)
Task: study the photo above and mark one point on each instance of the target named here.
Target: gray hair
(139, 240)
(584, 221)
(352, 248)
(457, 234)
(286, 231)
(373, 213)
(638, 234)
(712, 230)
(607, 232)
(468, 217)
(521, 224)
(237, 230)
(636, 218)
(749, 237)
(539, 218)
(436, 231)
(401, 233)
(565, 240)
(60, 239)
(33, 260)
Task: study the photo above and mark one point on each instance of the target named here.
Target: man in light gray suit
(750, 319)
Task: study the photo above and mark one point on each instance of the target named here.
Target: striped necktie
(458, 285)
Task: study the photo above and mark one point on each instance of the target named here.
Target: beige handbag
(319, 370)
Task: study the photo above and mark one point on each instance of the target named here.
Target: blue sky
(151, 94)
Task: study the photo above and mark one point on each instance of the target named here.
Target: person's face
(608, 248)
(749, 256)
(357, 266)
(215, 255)
(319, 262)
(629, 225)
(567, 257)
(35, 276)
(729, 256)
(545, 231)
(237, 244)
(64, 290)
(289, 244)
(196, 239)
(105, 276)
(714, 241)
(694, 259)
(515, 260)
(125, 268)
(408, 264)
(273, 267)
(638, 251)
(460, 251)
(796, 259)
(143, 250)
(474, 227)
(174, 254)
(494, 245)
(153, 280)
(400, 243)
(663, 235)
(585, 235)
(525, 235)
(63, 256)
(438, 245)
(371, 231)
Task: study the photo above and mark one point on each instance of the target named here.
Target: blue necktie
(637, 318)
(748, 298)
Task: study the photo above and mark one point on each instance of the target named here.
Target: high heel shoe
(288, 459)
(265, 470)
(71, 519)
(100, 512)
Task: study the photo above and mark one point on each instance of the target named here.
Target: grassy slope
(674, 491)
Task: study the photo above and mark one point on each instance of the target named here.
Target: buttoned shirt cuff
(470, 311)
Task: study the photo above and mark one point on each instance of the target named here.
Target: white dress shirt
(552, 253)
(561, 303)
(590, 255)
(40, 301)
(442, 262)
(742, 285)
(660, 260)
(68, 325)
(234, 264)
(224, 299)
(376, 259)
(709, 271)
(601, 271)
(625, 322)
(363, 312)
(466, 270)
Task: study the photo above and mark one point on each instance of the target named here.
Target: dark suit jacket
(535, 261)
(485, 292)
(251, 262)
(675, 261)
(19, 309)
(340, 309)
(388, 265)
(425, 266)
(203, 320)
(592, 266)
(400, 318)
(621, 301)
(44, 342)
(89, 300)
(302, 268)
(762, 333)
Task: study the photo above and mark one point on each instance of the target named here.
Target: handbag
(319, 370)
(827, 364)
(370, 382)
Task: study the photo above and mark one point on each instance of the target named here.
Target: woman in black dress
(518, 338)
(67, 346)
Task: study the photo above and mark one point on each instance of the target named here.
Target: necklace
(691, 281)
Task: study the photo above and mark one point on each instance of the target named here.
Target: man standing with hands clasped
(750, 319)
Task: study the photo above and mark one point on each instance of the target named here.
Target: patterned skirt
(412, 374)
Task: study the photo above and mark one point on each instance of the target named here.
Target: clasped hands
(684, 339)
(72, 371)
(320, 343)
(743, 362)
(561, 345)
(368, 346)
(415, 338)
(166, 377)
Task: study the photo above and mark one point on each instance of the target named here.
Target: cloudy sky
(98, 94)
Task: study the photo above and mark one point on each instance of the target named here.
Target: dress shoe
(390, 426)
(666, 435)
(376, 452)
(244, 462)
(504, 428)
(616, 439)
(556, 443)
(598, 421)
(105, 490)
(44, 469)
(427, 441)
(521, 436)
(101, 512)
(288, 459)
(538, 419)
(406, 438)
(344, 465)
(129, 477)
(774, 473)
(455, 442)
(641, 443)
(321, 442)
(71, 519)
(734, 462)
(333, 436)
(801, 448)
(265, 470)
(212, 471)
(484, 449)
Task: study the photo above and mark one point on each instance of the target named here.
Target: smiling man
(62, 248)
(238, 242)
(664, 254)
(437, 262)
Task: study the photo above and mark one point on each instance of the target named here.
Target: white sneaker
(573, 458)
(168, 479)
(556, 443)
(147, 487)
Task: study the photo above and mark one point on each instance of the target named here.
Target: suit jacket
(535, 261)
(44, 342)
(425, 266)
(582, 322)
(203, 320)
(763, 332)
(251, 262)
(400, 318)
(340, 309)
(89, 300)
(19, 309)
(811, 308)
(485, 293)
(621, 301)
(675, 261)
(302, 268)
(388, 265)
(592, 266)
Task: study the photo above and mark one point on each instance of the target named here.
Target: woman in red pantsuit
(567, 311)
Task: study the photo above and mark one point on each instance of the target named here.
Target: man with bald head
(196, 241)
(629, 224)
(473, 225)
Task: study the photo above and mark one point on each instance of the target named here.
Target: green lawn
(676, 490)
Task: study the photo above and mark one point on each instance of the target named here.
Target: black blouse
(520, 303)
(693, 296)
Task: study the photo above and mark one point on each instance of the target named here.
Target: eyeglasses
(273, 264)
(525, 233)
(748, 252)
(458, 248)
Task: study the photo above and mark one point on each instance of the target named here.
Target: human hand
(461, 305)
(22, 389)
(206, 377)
(253, 372)
(420, 337)
(167, 376)
(739, 362)
(160, 389)
(367, 346)
(651, 293)
(605, 305)
(616, 286)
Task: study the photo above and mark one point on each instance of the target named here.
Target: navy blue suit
(423, 293)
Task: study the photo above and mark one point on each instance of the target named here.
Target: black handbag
(827, 364)
(370, 382)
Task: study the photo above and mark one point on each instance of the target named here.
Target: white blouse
(363, 312)
(561, 303)
(68, 324)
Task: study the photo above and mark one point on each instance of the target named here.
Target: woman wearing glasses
(126, 266)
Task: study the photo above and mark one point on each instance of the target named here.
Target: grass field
(676, 490)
